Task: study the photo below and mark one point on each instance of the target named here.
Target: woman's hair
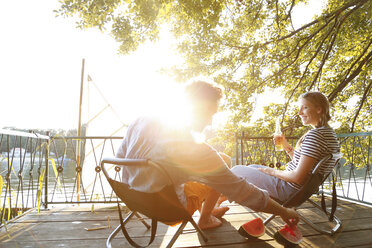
(199, 91)
(319, 100)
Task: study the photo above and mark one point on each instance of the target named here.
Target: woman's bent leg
(260, 179)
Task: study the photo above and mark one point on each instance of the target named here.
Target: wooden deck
(65, 227)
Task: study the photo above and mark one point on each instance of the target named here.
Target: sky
(41, 62)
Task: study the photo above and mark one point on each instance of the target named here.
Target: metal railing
(353, 172)
(23, 162)
(74, 180)
(38, 170)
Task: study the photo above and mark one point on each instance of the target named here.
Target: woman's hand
(279, 139)
(268, 170)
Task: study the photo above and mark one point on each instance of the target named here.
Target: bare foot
(221, 199)
(218, 212)
(208, 223)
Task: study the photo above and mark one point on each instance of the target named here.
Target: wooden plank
(122, 243)
(189, 239)
(343, 239)
(56, 228)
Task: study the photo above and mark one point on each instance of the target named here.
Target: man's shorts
(195, 193)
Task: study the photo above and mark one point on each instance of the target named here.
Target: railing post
(46, 177)
(242, 147)
(236, 149)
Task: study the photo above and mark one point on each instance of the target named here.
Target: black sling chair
(311, 186)
(162, 206)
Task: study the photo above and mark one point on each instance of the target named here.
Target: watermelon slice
(252, 229)
(288, 236)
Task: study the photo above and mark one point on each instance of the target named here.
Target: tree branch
(361, 104)
(336, 24)
(308, 39)
(303, 74)
(330, 15)
(299, 50)
(357, 60)
(277, 15)
(307, 67)
(290, 10)
(341, 9)
(356, 72)
(326, 55)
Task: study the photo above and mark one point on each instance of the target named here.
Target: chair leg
(180, 230)
(118, 228)
(336, 220)
(200, 231)
(175, 236)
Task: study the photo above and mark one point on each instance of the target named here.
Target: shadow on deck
(66, 227)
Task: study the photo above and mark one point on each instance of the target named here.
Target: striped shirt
(317, 143)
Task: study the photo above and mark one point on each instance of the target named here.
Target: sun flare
(173, 107)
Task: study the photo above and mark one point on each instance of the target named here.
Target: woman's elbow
(299, 179)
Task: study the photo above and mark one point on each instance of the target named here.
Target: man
(198, 171)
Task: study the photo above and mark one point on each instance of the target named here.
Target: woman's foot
(218, 212)
(208, 223)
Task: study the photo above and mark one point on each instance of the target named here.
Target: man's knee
(238, 169)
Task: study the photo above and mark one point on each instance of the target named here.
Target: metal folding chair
(162, 206)
(311, 187)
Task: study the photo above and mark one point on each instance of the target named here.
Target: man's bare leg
(221, 199)
(209, 213)
(218, 212)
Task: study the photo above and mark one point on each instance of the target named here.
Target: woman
(310, 149)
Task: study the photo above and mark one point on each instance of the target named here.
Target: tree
(251, 45)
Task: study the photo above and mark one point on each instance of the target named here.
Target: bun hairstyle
(321, 101)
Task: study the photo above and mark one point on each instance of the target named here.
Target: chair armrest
(124, 161)
(335, 156)
(121, 162)
(319, 164)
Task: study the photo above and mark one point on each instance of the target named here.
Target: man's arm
(288, 215)
(227, 159)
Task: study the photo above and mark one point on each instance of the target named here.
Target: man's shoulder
(145, 121)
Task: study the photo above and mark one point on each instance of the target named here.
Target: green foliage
(251, 45)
